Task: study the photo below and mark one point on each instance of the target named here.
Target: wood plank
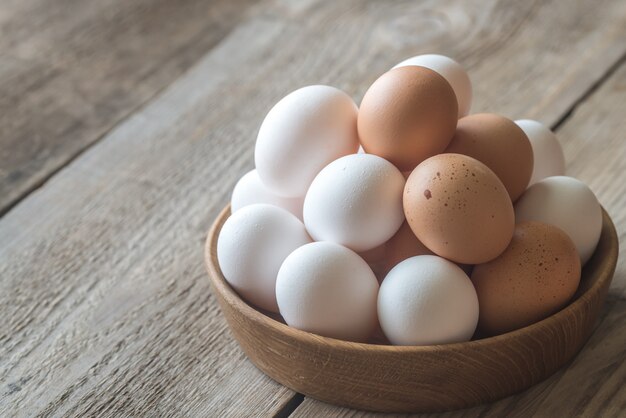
(595, 151)
(594, 384)
(70, 70)
(101, 269)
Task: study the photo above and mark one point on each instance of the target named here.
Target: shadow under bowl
(423, 378)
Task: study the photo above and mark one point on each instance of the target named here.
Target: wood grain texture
(70, 70)
(591, 386)
(416, 379)
(106, 303)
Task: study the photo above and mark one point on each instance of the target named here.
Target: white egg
(252, 245)
(301, 134)
(452, 71)
(567, 203)
(327, 289)
(426, 300)
(250, 190)
(547, 152)
(355, 201)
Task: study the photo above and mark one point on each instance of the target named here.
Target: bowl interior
(596, 274)
(416, 378)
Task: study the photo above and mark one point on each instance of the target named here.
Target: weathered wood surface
(105, 303)
(71, 70)
(593, 385)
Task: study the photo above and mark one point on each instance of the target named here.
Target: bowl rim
(232, 298)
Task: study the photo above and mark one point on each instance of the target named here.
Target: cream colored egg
(427, 300)
(327, 289)
(250, 190)
(301, 134)
(252, 245)
(355, 201)
(547, 152)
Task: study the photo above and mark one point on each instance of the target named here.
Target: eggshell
(407, 115)
(498, 143)
(250, 190)
(404, 244)
(427, 300)
(301, 134)
(327, 289)
(568, 204)
(533, 278)
(253, 243)
(459, 209)
(452, 71)
(355, 201)
(547, 152)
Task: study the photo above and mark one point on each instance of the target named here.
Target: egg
(407, 115)
(568, 204)
(301, 134)
(498, 143)
(327, 289)
(250, 190)
(252, 245)
(547, 152)
(355, 201)
(533, 278)
(452, 71)
(459, 209)
(404, 244)
(427, 300)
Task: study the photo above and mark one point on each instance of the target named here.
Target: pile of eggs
(406, 215)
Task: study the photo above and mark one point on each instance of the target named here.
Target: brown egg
(459, 209)
(498, 143)
(407, 115)
(533, 278)
(375, 258)
(374, 255)
(404, 244)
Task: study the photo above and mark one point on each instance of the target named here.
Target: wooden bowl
(416, 379)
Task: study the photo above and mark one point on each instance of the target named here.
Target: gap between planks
(589, 92)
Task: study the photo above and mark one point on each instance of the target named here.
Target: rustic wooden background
(125, 124)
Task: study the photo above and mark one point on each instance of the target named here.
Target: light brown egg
(459, 209)
(533, 278)
(407, 115)
(404, 244)
(498, 143)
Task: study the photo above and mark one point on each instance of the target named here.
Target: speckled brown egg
(404, 244)
(533, 278)
(459, 209)
(407, 115)
(498, 143)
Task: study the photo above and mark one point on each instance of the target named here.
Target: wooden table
(125, 124)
